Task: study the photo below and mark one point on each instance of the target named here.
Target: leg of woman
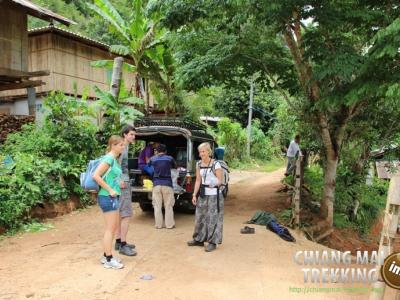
(200, 226)
(111, 221)
(215, 219)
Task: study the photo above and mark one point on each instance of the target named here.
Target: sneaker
(126, 250)
(210, 247)
(104, 259)
(195, 243)
(118, 245)
(113, 264)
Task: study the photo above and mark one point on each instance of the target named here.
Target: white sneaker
(113, 264)
(104, 259)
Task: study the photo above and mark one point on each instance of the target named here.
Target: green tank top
(113, 176)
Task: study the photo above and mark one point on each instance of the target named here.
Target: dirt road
(63, 263)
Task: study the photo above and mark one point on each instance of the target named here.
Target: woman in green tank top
(108, 176)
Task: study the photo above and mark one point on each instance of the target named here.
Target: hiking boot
(128, 251)
(195, 243)
(104, 259)
(210, 247)
(118, 245)
(113, 264)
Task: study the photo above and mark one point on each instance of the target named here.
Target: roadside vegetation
(328, 72)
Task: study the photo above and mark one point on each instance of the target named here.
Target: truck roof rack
(171, 121)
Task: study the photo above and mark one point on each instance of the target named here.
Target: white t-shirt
(209, 174)
(292, 150)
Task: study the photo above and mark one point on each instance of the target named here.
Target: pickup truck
(182, 139)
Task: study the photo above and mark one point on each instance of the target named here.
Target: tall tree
(342, 55)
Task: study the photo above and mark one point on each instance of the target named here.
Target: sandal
(247, 230)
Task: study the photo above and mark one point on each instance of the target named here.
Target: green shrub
(233, 137)
(261, 145)
(349, 190)
(47, 160)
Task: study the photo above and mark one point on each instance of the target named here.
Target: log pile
(9, 124)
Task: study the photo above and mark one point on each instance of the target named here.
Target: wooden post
(31, 101)
(297, 192)
(250, 117)
(116, 76)
(388, 233)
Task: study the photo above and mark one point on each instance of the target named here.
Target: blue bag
(149, 170)
(87, 181)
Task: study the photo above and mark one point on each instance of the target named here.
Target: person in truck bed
(144, 158)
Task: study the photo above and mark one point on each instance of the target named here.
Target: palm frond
(133, 100)
(119, 49)
(106, 10)
(105, 63)
(128, 67)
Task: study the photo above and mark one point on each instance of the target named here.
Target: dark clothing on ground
(262, 218)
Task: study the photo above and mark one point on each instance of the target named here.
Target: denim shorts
(108, 203)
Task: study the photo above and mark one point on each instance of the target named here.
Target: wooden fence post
(388, 233)
(298, 181)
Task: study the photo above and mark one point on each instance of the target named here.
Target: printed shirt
(113, 176)
(207, 174)
(162, 165)
(292, 150)
(146, 152)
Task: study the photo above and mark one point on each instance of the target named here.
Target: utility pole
(250, 115)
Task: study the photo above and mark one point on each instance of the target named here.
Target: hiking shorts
(108, 203)
(125, 203)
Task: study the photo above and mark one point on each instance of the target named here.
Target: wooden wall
(13, 39)
(68, 61)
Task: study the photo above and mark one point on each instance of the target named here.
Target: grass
(33, 226)
(36, 227)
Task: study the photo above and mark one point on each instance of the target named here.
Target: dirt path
(63, 263)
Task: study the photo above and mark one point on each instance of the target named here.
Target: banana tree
(137, 35)
(161, 71)
(119, 110)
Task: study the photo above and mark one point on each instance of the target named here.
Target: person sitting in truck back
(144, 157)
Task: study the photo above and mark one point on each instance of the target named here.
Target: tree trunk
(116, 77)
(329, 188)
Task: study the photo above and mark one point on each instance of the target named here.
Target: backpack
(225, 173)
(86, 178)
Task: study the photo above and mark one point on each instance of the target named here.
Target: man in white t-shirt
(292, 152)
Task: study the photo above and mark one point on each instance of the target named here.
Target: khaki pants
(164, 194)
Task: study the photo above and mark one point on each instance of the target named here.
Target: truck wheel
(146, 206)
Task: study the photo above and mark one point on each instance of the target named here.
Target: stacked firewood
(9, 124)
